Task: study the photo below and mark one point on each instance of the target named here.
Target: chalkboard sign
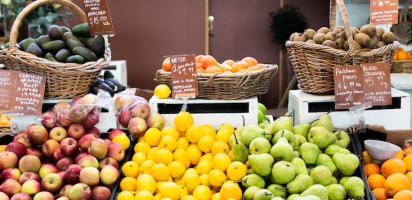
(184, 80)
(377, 82)
(384, 11)
(98, 17)
(348, 86)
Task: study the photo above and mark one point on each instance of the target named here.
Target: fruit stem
(235, 138)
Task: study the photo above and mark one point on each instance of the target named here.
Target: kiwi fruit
(373, 43)
(346, 46)
(379, 33)
(292, 37)
(339, 43)
(311, 41)
(353, 30)
(388, 37)
(331, 36)
(309, 33)
(369, 30)
(355, 44)
(319, 38)
(324, 30)
(362, 39)
(380, 44)
(299, 38)
(329, 43)
(338, 29)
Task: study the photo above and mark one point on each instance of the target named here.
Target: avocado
(34, 49)
(42, 39)
(50, 57)
(119, 86)
(71, 44)
(69, 35)
(75, 59)
(64, 29)
(62, 55)
(55, 32)
(86, 53)
(108, 74)
(53, 46)
(96, 44)
(81, 30)
(7, 45)
(26, 42)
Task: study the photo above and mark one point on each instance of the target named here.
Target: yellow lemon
(122, 139)
(202, 192)
(182, 156)
(159, 185)
(128, 184)
(142, 147)
(143, 194)
(151, 154)
(157, 197)
(236, 171)
(191, 171)
(125, 195)
(182, 143)
(177, 169)
(164, 156)
(216, 196)
(221, 161)
(146, 182)
(190, 181)
(188, 197)
(205, 143)
(162, 91)
(170, 131)
(152, 136)
(206, 156)
(182, 190)
(216, 177)
(139, 158)
(169, 190)
(194, 133)
(130, 169)
(224, 132)
(220, 147)
(194, 154)
(209, 130)
(183, 120)
(160, 172)
(141, 139)
(146, 167)
(204, 167)
(168, 142)
(204, 179)
(231, 190)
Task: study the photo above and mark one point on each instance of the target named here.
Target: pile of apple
(307, 160)
(62, 163)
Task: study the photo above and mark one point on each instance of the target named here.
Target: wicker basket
(63, 80)
(313, 63)
(228, 86)
(401, 66)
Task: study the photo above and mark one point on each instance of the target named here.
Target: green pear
(283, 172)
(325, 160)
(263, 194)
(282, 123)
(324, 121)
(277, 198)
(321, 136)
(250, 192)
(342, 139)
(296, 153)
(309, 197)
(249, 168)
(262, 108)
(316, 190)
(309, 152)
(301, 129)
(336, 192)
(299, 184)
(293, 196)
(286, 134)
(277, 190)
(321, 175)
(259, 145)
(267, 135)
(235, 136)
(253, 180)
(334, 180)
(333, 148)
(343, 180)
(239, 153)
(261, 163)
(282, 150)
(249, 133)
(300, 166)
(299, 140)
(346, 163)
(355, 187)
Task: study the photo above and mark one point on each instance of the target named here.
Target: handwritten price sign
(98, 17)
(384, 12)
(184, 80)
(377, 83)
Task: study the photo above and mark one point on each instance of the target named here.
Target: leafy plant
(286, 21)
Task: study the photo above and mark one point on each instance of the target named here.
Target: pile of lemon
(185, 162)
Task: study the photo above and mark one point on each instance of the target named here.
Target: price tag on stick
(98, 17)
(384, 11)
(184, 80)
(348, 87)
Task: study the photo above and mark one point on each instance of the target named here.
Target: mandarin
(392, 166)
(395, 183)
(166, 65)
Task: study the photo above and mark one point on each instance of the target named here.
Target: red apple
(98, 148)
(92, 118)
(60, 106)
(124, 116)
(85, 141)
(72, 174)
(155, 120)
(37, 134)
(47, 169)
(64, 163)
(61, 173)
(34, 152)
(114, 133)
(23, 138)
(63, 198)
(89, 99)
(49, 120)
(141, 110)
(3, 196)
(122, 101)
(64, 192)
(10, 187)
(8, 160)
(49, 147)
(28, 127)
(43, 195)
(58, 133)
(10, 173)
(79, 156)
(137, 126)
(101, 193)
(31, 187)
(108, 161)
(108, 175)
(57, 155)
(88, 161)
(18, 148)
(69, 146)
(28, 176)
(80, 191)
(94, 131)
(21, 196)
(116, 151)
(52, 183)
(29, 163)
(89, 176)
(76, 131)
(107, 141)
(63, 118)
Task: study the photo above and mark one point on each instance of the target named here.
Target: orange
(372, 168)
(251, 61)
(225, 67)
(380, 193)
(243, 71)
(408, 162)
(366, 157)
(376, 181)
(403, 55)
(409, 175)
(392, 166)
(208, 61)
(395, 57)
(237, 66)
(200, 70)
(166, 65)
(213, 69)
(403, 195)
(228, 62)
(257, 67)
(199, 66)
(199, 58)
(395, 183)
(400, 155)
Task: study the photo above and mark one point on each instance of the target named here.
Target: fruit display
(108, 83)
(66, 46)
(62, 163)
(401, 54)
(366, 37)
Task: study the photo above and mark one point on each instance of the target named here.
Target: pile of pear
(309, 161)
(366, 37)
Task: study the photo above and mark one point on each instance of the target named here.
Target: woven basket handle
(34, 5)
(404, 12)
(345, 19)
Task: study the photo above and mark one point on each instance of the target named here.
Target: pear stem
(243, 118)
(235, 138)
